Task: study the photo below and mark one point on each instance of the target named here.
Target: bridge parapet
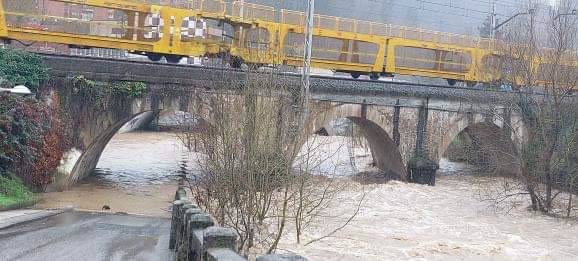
(182, 77)
(194, 236)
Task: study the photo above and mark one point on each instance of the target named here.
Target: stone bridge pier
(406, 137)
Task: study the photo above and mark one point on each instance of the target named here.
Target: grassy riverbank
(14, 194)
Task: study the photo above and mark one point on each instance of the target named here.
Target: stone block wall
(195, 237)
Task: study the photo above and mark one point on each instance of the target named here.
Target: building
(69, 10)
(79, 19)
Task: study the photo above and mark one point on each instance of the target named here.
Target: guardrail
(195, 237)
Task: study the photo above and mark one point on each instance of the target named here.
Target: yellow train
(249, 33)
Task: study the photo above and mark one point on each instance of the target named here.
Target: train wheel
(471, 84)
(374, 76)
(173, 58)
(155, 57)
(254, 66)
(452, 82)
(235, 62)
(355, 75)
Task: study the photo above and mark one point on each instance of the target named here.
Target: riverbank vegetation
(14, 194)
(33, 138)
(30, 140)
(30, 132)
(547, 146)
(21, 68)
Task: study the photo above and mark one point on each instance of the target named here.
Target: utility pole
(241, 14)
(492, 31)
(306, 74)
(242, 9)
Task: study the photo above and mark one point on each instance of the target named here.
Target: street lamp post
(19, 90)
(495, 29)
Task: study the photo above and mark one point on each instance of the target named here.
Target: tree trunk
(569, 210)
(533, 198)
(548, 191)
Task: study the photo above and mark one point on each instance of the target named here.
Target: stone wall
(195, 237)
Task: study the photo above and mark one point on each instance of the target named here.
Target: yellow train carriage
(257, 35)
(356, 53)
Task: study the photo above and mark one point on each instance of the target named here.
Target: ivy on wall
(102, 94)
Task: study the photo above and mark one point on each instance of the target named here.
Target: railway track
(170, 66)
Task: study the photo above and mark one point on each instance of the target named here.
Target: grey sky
(457, 16)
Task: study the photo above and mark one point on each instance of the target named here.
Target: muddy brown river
(397, 221)
(136, 174)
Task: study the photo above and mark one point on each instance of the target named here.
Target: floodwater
(396, 221)
(399, 221)
(137, 159)
(137, 173)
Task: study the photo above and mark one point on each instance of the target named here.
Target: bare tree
(257, 169)
(541, 60)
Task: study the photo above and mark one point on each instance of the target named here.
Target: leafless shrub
(541, 62)
(258, 165)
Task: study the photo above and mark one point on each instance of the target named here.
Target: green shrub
(13, 193)
(132, 89)
(20, 67)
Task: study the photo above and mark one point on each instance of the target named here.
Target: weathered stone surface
(197, 244)
(201, 221)
(223, 254)
(190, 212)
(219, 237)
(181, 194)
(202, 77)
(423, 171)
(177, 204)
(181, 224)
(189, 231)
(387, 113)
(279, 257)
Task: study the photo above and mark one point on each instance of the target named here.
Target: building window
(87, 14)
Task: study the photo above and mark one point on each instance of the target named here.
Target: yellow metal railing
(249, 11)
(264, 35)
(388, 30)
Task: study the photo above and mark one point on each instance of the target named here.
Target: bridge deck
(167, 77)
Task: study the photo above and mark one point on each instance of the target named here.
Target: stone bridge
(400, 121)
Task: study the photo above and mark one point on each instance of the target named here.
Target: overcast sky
(457, 16)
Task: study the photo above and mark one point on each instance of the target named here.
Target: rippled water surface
(141, 158)
(396, 221)
(151, 158)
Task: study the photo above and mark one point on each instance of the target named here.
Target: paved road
(87, 236)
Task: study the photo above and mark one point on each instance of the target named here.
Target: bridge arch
(94, 126)
(458, 122)
(386, 154)
(487, 144)
(91, 155)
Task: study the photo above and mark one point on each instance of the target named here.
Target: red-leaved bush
(31, 139)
